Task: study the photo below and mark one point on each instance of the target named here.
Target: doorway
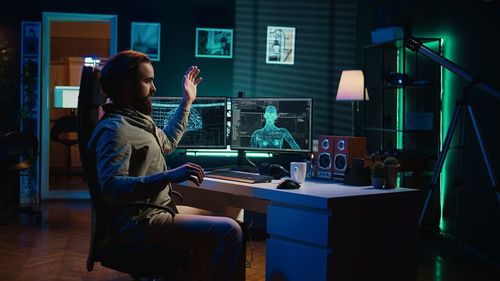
(67, 40)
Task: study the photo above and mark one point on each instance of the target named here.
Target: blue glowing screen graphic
(276, 124)
(206, 123)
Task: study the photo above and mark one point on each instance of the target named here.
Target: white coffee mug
(298, 171)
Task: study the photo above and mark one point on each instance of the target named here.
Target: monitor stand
(243, 164)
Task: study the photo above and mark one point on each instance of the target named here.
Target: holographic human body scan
(275, 124)
(271, 136)
(206, 122)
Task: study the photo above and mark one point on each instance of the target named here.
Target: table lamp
(352, 88)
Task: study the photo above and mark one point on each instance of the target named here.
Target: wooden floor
(60, 180)
(57, 250)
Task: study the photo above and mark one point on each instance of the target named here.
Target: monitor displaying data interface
(271, 124)
(206, 123)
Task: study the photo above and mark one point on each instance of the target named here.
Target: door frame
(47, 19)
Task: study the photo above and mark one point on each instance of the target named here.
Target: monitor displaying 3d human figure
(206, 123)
(274, 124)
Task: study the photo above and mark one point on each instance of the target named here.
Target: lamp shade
(351, 86)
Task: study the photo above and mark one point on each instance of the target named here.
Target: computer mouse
(288, 184)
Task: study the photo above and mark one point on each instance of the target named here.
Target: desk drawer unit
(291, 261)
(355, 238)
(309, 226)
(299, 240)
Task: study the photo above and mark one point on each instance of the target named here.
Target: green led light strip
(399, 108)
(227, 153)
(446, 97)
(399, 104)
(215, 154)
(446, 111)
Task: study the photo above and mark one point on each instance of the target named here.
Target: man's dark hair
(120, 70)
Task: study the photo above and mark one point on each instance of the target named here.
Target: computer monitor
(66, 96)
(271, 124)
(206, 123)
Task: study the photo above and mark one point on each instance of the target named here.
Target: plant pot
(391, 176)
(378, 182)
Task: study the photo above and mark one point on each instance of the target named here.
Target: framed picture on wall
(145, 37)
(214, 43)
(280, 43)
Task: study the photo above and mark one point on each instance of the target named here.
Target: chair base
(156, 263)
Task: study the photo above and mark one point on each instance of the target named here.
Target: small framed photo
(214, 43)
(31, 38)
(145, 38)
(280, 47)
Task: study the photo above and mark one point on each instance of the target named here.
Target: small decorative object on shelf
(396, 79)
(391, 166)
(378, 175)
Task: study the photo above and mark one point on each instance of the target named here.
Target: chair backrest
(18, 150)
(89, 100)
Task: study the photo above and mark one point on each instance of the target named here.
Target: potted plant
(378, 175)
(391, 165)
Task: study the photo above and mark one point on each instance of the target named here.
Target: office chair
(137, 260)
(18, 152)
(62, 127)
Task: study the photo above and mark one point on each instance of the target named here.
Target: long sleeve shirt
(130, 154)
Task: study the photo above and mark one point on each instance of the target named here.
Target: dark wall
(471, 211)
(178, 22)
(325, 41)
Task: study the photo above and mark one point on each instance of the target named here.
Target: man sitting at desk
(130, 151)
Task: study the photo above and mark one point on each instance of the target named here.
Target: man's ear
(127, 89)
(127, 86)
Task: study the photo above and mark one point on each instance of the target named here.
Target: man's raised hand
(190, 83)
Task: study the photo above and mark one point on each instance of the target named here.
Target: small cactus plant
(378, 170)
(378, 175)
(391, 161)
(391, 169)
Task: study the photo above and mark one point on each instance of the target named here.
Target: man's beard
(144, 105)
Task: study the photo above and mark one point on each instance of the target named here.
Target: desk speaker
(335, 154)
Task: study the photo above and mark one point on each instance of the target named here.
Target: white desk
(325, 231)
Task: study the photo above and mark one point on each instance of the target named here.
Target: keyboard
(238, 176)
